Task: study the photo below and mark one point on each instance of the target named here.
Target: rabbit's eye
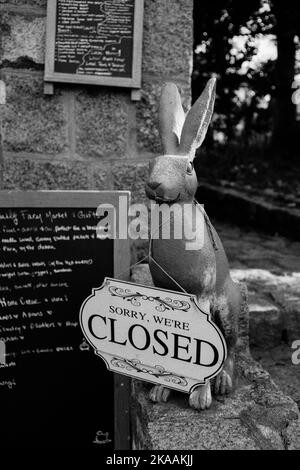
(190, 168)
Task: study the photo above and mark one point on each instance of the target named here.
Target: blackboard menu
(94, 41)
(57, 393)
(94, 37)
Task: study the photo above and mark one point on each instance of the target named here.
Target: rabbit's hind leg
(200, 398)
(159, 393)
(226, 311)
(223, 382)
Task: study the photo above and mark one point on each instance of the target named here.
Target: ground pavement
(271, 268)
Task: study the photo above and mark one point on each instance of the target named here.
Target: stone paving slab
(277, 361)
(257, 416)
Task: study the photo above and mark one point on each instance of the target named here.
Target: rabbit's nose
(153, 186)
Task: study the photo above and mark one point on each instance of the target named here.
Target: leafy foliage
(254, 130)
(218, 26)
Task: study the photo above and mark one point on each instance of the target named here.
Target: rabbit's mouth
(156, 192)
(161, 200)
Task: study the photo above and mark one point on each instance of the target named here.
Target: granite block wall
(85, 137)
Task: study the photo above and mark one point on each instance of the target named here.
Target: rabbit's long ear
(171, 118)
(197, 120)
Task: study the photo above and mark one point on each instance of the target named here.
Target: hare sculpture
(203, 272)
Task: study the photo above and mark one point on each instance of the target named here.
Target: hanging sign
(160, 336)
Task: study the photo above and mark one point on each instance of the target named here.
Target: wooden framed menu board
(54, 391)
(96, 42)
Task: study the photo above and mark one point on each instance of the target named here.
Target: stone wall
(85, 137)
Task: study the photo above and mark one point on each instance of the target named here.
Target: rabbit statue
(203, 272)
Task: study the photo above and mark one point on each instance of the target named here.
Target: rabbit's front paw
(200, 398)
(159, 393)
(223, 383)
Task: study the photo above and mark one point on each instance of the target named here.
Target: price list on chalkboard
(94, 37)
(52, 383)
(95, 42)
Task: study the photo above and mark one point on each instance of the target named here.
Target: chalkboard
(94, 42)
(56, 392)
